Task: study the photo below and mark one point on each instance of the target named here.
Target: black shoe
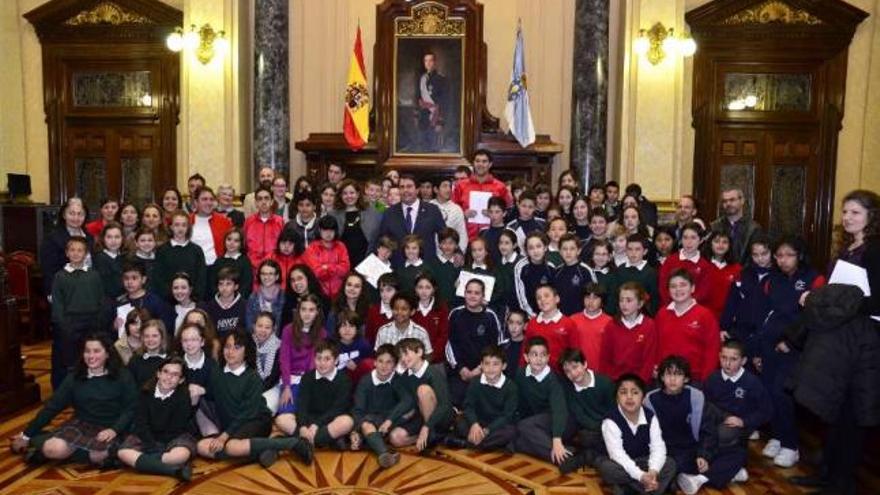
(455, 442)
(304, 450)
(572, 464)
(268, 457)
(34, 457)
(342, 443)
(388, 459)
(185, 472)
(808, 481)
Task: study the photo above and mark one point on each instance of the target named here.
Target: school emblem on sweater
(481, 330)
(544, 279)
(800, 285)
(739, 393)
(576, 280)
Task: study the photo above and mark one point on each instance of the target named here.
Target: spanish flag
(356, 125)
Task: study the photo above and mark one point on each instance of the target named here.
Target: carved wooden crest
(107, 13)
(772, 12)
(430, 19)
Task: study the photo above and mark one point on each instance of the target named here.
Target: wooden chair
(32, 307)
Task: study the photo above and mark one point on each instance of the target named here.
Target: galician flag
(517, 112)
(356, 126)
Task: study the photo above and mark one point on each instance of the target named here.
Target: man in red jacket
(209, 227)
(482, 181)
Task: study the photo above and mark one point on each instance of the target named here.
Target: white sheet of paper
(465, 277)
(479, 201)
(850, 274)
(122, 312)
(372, 268)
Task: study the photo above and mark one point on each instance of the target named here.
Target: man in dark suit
(412, 216)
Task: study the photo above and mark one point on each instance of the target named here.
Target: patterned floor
(458, 472)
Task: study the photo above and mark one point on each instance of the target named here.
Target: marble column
(271, 136)
(589, 102)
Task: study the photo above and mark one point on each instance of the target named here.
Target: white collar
(637, 267)
(111, 253)
(90, 374)
(415, 206)
(377, 381)
(734, 378)
(416, 263)
(671, 307)
(443, 259)
(197, 364)
(231, 304)
(498, 384)
(148, 355)
(480, 265)
(306, 225)
(634, 323)
(237, 372)
(421, 371)
(329, 377)
(179, 244)
(233, 256)
(540, 376)
(578, 388)
(553, 319)
(69, 268)
(694, 258)
(604, 270)
(385, 310)
(642, 419)
(587, 315)
(159, 395)
(424, 310)
(145, 256)
(508, 259)
(719, 263)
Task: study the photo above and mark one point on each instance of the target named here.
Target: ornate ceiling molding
(429, 19)
(772, 12)
(106, 13)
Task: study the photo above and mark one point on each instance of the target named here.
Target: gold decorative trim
(772, 12)
(106, 13)
(429, 19)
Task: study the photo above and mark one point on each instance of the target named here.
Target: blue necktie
(409, 219)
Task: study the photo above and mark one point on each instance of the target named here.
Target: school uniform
(630, 347)
(582, 232)
(226, 318)
(527, 276)
(241, 265)
(522, 228)
(692, 334)
(149, 263)
(241, 410)
(376, 401)
(505, 282)
(440, 419)
(496, 302)
(745, 306)
(689, 426)
(98, 401)
(642, 274)
(491, 234)
(493, 406)
(603, 278)
(268, 363)
(587, 407)
(77, 295)
(557, 330)
(409, 271)
(109, 266)
(162, 422)
(446, 275)
(554, 257)
(435, 320)
(512, 351)
(198, 372)
(378, 315)
(587, 335)
(570, 281)
(634, 449)
(144, 366)
(390, 334)
(542, 412)
(700, 270)
(724, 276)
(185, 257)
(741, 395)
(321, 399)
(469, 333)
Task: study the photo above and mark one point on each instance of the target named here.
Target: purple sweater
(296, 360)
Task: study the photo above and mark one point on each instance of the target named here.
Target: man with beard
(264, 179)
(740, 229)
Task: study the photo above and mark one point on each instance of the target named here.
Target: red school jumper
(436, 322)
(630, 350)
(700, 271)
(557, 330)
(694, 335)
(588, 335)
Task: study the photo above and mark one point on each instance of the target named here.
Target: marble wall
(271, 122)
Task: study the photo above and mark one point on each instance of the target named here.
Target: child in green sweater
(413, 264)
(324, 398)
(426, 386)
(445, 269)
(635, 269)
(379, 404)
(144, 364)
(180, 255)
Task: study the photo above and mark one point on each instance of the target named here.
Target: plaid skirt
(81, 435)
(184, 440)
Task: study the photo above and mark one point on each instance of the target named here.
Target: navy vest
(636, 445)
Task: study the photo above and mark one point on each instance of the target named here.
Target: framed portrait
(429, 70)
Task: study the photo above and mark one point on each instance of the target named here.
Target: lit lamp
(204, 42)
(658, 42)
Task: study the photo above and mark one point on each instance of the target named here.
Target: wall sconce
(204, 42)
(658, 42)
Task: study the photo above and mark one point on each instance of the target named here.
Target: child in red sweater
(688, 257)
(689, 329)
(551, 324)
(432, 315)
(725, 270)
(328, 258)
(630, 342)
(380, 313)
(590, 324)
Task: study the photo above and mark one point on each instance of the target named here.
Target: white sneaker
(755, 435)
(741, 476)
(690, 483)
(786, 458)
(772, 448)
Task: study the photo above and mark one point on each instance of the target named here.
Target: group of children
(557, 363)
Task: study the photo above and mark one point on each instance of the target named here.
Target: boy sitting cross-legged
(379, 404)
(426, 385)
(489, 406)
(324, 397)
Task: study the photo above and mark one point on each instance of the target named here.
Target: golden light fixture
(204, 42)
(659, 41)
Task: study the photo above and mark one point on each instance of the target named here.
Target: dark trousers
(723, 466)
(614, 474)
(67, 339)
(457, 389)
(535, 436)
(843, 450)
(775, 370)
(497, 439)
